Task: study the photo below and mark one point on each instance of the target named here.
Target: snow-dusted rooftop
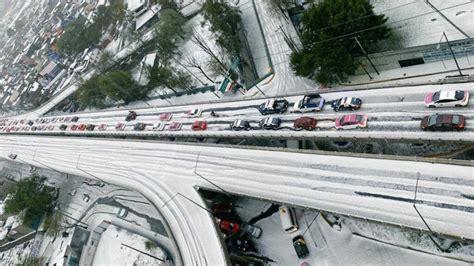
(149, 14)
(419, 24)
(135, 4)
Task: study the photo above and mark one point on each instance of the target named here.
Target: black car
(241, 242)
(270, 123)
(75, 119)
(90, 127)
(30, 123)
(139, 126)
(300, 247)
(346, 103)
(131, 116)
(273, 106)
(62, 127)
(240, 125)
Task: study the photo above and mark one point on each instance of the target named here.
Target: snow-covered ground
(16, 255)
(327, 245)
(118, 246)
(375, 189)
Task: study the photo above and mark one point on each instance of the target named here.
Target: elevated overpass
(376, 189)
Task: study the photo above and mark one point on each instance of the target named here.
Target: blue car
(309, 103)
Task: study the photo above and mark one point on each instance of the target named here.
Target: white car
(122, 213)
(309, 103)
(456, 98)
(159, 126)
(194, 113)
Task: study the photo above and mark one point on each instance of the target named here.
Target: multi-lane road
(376, 189)
(393, 113)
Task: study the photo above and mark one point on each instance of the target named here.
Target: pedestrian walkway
(425, 73)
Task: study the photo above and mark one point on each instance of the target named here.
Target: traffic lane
(368, 96)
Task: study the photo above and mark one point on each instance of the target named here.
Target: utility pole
(366, 55)
(447, 19)
(209, 181)
(256, 86)
(452, 53)
(432, 235)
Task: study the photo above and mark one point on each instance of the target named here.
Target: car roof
(348, 118)
(447, 94)
(269, 103)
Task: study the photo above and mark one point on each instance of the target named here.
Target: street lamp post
(452, 53)
(366, 55)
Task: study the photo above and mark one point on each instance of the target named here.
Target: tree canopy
(117, 85)
(167, 33)
(328, 37)
(225, 21)
(32, 195)
(79, 36)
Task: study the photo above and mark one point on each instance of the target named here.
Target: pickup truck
(309, 103)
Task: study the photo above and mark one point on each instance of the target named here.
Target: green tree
(116, 85)
(10, 32)
(90, 95)
(52, 224)
(32, 195)
(225, 21)
(168, 32)
(31, 261)
(328, 32)
(79, 36)
(150, 245)
(119, 85)
(280, 5)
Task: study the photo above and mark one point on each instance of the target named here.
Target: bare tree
(201, 42)
(191, 61)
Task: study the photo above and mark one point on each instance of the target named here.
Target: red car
(229, 227)
(443, 122)
(199, 125)
(305, 122)
(82, 127)
(120, 126)
(174, 126)
(350, 122)
(102, 127)
(165, 116)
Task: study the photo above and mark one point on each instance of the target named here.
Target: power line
(395, 22)
(349, 21)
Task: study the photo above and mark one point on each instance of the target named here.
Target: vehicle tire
(339, 129)
(458, 105)
(336, 109)
(431, 106)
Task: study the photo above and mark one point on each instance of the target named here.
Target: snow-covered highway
(376, 189)
(393, 113)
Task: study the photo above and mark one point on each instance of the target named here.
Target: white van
(288, 219)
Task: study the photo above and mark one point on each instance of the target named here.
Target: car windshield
(455, 119)
(436, 96)
(432, 120)
(459, 95)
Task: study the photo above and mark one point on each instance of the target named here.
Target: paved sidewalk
(425, 73)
